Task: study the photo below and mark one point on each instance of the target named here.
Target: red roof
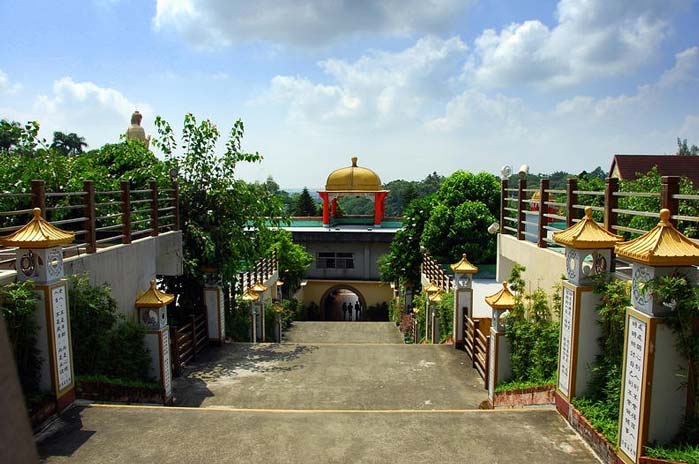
(629, 166)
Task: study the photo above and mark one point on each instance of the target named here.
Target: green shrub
(238, 321)
(533, 333)
(93, 312)
(103, 342)
(445, 314)
(17, 305)
(290, 313)
(126, 356)
(601, 403)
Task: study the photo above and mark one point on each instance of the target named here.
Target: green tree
(403, 260)
(217, 210)
(305, 205)
(68, 144)
(454, 230)
(683, 149)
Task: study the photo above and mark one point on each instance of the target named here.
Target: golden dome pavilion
(353, 179)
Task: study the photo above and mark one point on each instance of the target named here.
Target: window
(328, 260)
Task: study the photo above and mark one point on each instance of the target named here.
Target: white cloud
(690, 129)
(80, 106)
(592, 39)
(214, 23)
(473, 111)
(380, 88)
(6, 86)
(685, 70)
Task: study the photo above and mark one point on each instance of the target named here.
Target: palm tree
(69, 144)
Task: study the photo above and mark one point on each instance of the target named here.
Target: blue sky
(409, 86)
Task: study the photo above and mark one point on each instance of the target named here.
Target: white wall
(544, 266)
(127, 269)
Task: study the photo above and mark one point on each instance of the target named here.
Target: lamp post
(463, 296)
(252, 297)
(499, 350)
(260, 289)
(39, 259)
(435, 298)
(653, 400)
(430, 290)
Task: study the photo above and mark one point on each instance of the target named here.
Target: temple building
(346, 249)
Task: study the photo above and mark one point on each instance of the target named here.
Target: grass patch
(602, 417)
(523, 384)
(132, 383)
(677, 453)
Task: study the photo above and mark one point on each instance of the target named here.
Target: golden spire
(250, 295)
(464, 266)
(503, 299)
(37, 233)
(154, 298)
(258, 287)
(587, 234)
(436, 297)
(663, 245)
(431, 288)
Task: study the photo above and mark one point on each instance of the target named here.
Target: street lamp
(435, 298)
(430, 290)
(260, 290)
(252, 297)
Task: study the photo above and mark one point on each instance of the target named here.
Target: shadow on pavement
(232, 361)
(69, 436)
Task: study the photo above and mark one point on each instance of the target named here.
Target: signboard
(166, 369)
(221, 316)
(566, 341)
(633, 381)
(61, 338)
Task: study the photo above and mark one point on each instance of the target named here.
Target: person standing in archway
(344, 311)
(357, 310)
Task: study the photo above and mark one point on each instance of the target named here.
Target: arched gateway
(343, 302)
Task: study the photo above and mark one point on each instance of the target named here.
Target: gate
(477, 344)
(187, 341)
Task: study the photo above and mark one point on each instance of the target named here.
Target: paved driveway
(333, 392)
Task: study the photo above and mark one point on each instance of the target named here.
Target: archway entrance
(343, 303)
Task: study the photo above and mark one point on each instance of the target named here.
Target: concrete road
(343, 332)
(333, 376)
(136, 435)
(333, 392)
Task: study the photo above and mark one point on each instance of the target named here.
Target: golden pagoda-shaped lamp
(588, 252)
(435, 298)
(499, 353)
(261, 290)
(430, 289)
(151, 307)
(252, 297)
(39, 258)
(463, 297)
(653, 397)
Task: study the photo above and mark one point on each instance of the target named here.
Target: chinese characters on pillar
(491, 364)
(60, 337)
(221, 317)
(566, 341)
(165, 368)
(633, 381)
